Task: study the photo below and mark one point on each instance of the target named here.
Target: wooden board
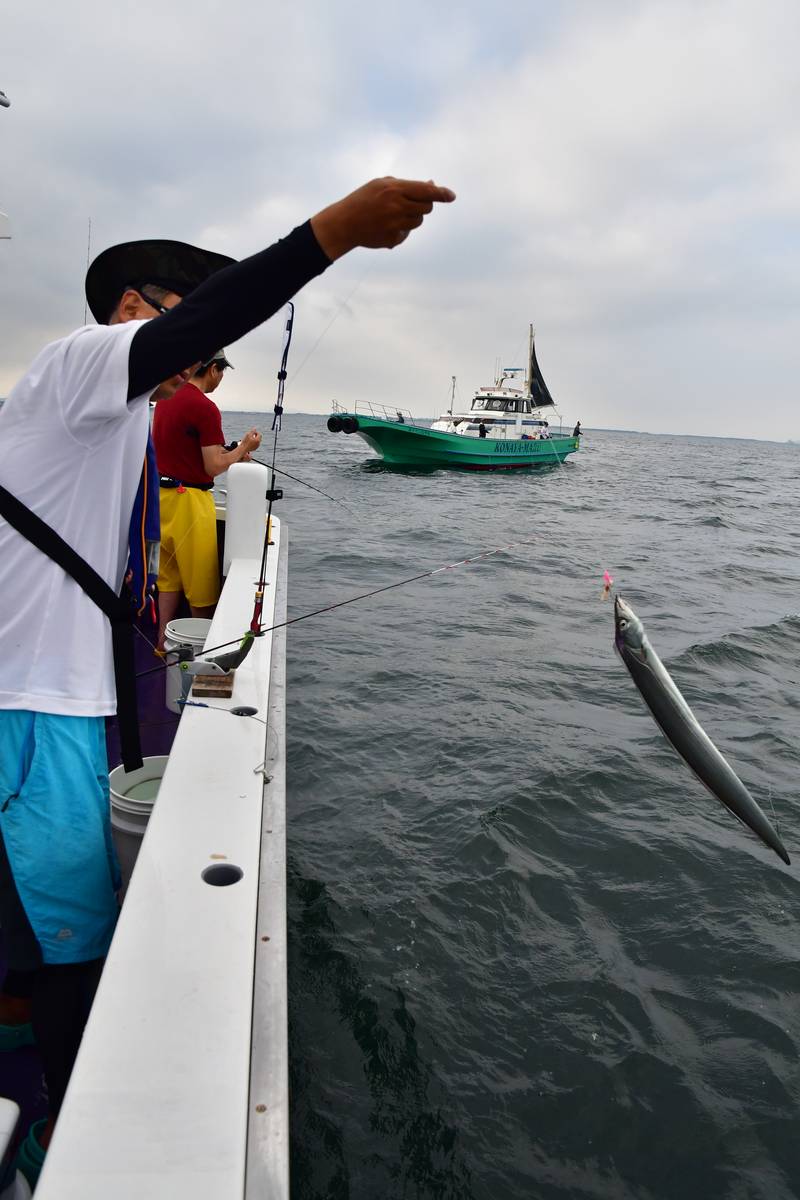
(213, 685)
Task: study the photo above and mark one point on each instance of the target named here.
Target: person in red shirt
(190, 452)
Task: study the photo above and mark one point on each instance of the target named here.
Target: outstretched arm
(235, 300)
(223, 309)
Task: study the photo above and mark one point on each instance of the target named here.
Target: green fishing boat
(505, 427)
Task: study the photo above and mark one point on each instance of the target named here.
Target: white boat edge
(180, 1088)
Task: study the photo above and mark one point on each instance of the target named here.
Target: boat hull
(415, 446)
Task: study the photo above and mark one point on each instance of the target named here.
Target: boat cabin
(503, 411)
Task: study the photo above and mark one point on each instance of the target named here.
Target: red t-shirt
(182, 425)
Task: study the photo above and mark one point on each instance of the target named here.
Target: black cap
(173, 265)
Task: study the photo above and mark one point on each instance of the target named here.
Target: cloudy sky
(628, 179)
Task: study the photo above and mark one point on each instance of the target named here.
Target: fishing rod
(223, 664)
(273, 493)
(387, 587)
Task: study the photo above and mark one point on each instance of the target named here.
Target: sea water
(529, 954)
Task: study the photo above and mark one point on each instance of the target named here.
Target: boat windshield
(492, 404)
(500, 404)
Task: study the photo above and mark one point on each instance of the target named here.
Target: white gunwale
(158, 1104)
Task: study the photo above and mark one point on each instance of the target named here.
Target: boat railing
(383, 412)
(472, 420)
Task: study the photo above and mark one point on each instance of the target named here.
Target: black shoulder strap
(119, 613)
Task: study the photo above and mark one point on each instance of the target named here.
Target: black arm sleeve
(223, 309)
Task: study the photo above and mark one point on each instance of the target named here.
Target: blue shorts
(56, 826)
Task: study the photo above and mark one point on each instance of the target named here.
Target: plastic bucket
(186, 631)
(133, 794)
(18, 1189)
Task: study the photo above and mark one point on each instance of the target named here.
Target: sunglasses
(156, 304)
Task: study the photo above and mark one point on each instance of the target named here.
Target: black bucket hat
(173, 265)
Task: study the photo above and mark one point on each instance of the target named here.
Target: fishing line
(774, 814)
(558, 460)
(297, 479)
(218, 708)
(338, 312)
(146, 639)
(387, 587)
(772, 809)
(335, 499)
(88, 257)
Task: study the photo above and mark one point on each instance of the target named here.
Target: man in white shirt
(81, 415)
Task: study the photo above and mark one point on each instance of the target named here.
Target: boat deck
(180, 1088)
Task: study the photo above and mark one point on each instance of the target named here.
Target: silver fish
(680, 726)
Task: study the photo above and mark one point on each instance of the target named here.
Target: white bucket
(18, 1189)
(133, 794)
(186, 631)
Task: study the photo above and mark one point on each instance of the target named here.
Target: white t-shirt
(72, 449)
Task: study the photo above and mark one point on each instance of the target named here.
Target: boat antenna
(529, 370)
(5, 228)
(453, 396)
(88, 256)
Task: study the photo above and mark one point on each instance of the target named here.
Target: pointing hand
(380, 214)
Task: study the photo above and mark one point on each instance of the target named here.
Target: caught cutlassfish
(680, 726)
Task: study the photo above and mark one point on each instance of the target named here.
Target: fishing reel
(221, 664)
(190, 665)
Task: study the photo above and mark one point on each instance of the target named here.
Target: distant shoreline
(708, 437)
